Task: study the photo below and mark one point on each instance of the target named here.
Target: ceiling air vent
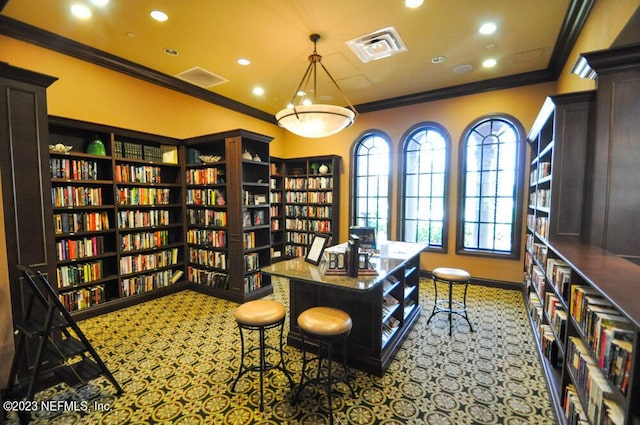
(377, 45)
(201, 77)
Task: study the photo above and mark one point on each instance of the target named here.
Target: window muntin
(425, 159)
(371, 185)
(490, 192)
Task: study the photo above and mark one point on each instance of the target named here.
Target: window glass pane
(424, 208)
(410, 230)
(473, 184)
(472, 209)
(411, 208)
(439, 160)
(383, 185)
(487, 209)
(435, 237)
(507, 156)
(470, 235)
(411, 185)
(473, 158)
(505, 210)
(412, 162)
(425, 185)
(437, 185)
(437, 209)
(506, 183)
(488, 183)
(503, 237)
(490, 157)
(485, 240)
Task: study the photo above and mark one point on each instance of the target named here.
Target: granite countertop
(299, 269)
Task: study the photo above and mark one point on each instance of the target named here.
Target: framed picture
(246, 219)
(258, 218)
(318, 244)
(260, 199)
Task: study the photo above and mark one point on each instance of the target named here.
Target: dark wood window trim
(354, 176)
(516, 228)
(402, 191)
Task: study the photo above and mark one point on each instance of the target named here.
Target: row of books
(137, 174)
(215, 238)
(556, 314)
(210, 175)
(144, 262)
(206, 217)
(80, 299)
(167, 154)
(308, 225)
(148, 282)
(73, 169)
(77, 274)
(76, 196)
(389, 327)
(297, 238)
(252, 282)
(144, 240)
(541, 198)
(275, 197)
(143, 196)
(275, 223)
(248, 240)
(590, 381)
(207, 277)
(208, 258)
(251, 262)
(307, 211)
(389, 304)
(299, 183)
(72, 249)
(253, 218)
(541, 171)
(607, 334)
(132, 219)
(80, 222)
(205, 197)
(559, 274)
(295, 250)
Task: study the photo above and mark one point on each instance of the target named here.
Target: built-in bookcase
(578, 295)
(228, 214)
(276, 198)
(118, 218)
(310, 201)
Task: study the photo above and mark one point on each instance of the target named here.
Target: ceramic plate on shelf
(208, 159)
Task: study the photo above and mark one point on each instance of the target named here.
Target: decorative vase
(96, 147)
(247, 155)
(323, 169)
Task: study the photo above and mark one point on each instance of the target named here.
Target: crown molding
(574, 20)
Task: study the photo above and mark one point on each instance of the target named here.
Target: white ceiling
(274, 35)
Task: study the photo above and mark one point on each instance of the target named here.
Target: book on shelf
(176, 276)
(258, 218)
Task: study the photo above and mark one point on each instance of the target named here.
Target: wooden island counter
(383, 307)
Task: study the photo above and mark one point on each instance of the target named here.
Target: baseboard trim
(512, 286)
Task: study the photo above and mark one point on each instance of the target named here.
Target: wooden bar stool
(451, 277)
(261, 315)
(327, 326)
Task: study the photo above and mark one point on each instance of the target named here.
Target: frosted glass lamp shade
(315, 121)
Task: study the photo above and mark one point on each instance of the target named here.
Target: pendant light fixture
(311, 119)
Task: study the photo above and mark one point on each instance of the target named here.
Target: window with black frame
(371, 183)
(491, 187)
(425, 175)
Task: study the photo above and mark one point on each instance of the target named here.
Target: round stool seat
(260, 313)
(451, 274)
(324, 321)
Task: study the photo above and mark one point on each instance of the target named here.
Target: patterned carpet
(176, 358)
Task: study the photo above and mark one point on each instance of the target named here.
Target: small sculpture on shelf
(60, 148)
(257, 158)
(323, 169)
(96, 147)
(247, 155)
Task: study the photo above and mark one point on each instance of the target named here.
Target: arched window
(370, 201)
(489, 219)
(425, 154)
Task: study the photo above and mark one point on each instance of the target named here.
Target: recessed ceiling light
(243, 61)
(258, 91)
(171, 52)
(487, 28)
(100, 3)
(489, 63)
(159, 16)
(413, 3)
(461, 69)
(438, 59)
(80, 11)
